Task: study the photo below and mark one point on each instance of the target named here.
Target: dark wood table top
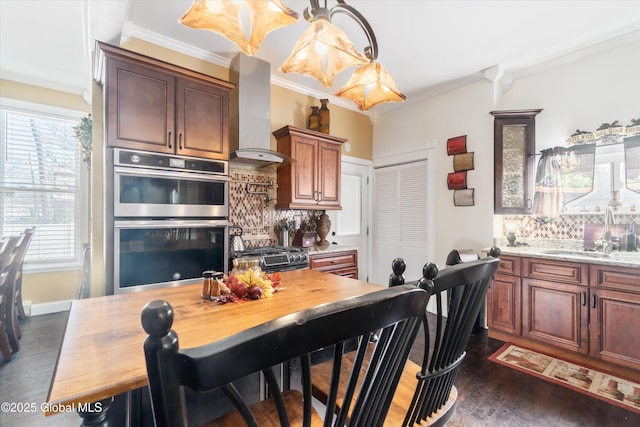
(101, 353)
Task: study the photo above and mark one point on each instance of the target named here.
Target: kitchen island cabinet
(154, 106)
(585, 311)
(313, 180)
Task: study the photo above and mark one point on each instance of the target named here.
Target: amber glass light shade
(223, 17)
(307, 57)
(371, 85)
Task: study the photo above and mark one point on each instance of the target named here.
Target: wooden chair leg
(4, 346)
(20, 307)
(11, 320)
(13, 333)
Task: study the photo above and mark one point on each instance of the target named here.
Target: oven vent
(250, 133)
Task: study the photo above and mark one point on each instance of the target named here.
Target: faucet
(607, 240)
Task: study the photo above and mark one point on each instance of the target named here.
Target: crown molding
(513, 72)
(624, 36)
(131, 30)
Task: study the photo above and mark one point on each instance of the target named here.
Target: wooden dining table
(101, 354)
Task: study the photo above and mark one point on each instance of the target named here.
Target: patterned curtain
(562, 175)
(632, 163)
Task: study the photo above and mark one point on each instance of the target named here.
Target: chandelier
(323, 51)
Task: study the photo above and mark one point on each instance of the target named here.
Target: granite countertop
(550, 250)
(331, 248)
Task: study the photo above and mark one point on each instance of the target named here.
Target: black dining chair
(426, 394)
(17, 279)
(6, 260)
(392, 315)
(10, 316)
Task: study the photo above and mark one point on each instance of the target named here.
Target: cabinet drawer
(334, 261)
(621, 278)
(509, 265)
(557, 271)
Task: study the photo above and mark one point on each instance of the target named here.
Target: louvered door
(401, 219)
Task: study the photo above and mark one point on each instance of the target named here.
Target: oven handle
(154, 173)
(171, 223)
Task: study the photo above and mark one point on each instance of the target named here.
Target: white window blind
(40, 167)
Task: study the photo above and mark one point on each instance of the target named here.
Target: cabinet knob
(169, 139)
(180, 141)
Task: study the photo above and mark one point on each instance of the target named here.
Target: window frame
(83, 194)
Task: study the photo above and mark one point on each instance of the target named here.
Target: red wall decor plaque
(457, 180)
(457, 145)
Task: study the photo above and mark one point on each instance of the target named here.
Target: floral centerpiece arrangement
(250, 285)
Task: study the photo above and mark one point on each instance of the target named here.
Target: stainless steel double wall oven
(169, 219)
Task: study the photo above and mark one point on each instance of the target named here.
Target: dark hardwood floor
(490, 394)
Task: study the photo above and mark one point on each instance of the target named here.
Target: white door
(401, 219)
(350, 226)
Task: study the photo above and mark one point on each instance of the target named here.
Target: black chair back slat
(391, 314)
(238, 402)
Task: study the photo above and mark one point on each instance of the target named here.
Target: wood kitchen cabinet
(154, 106)
(514, 139)
(588, 310)
(343, 263)
(554, 303)
(313, 180)
(556, 313)
(615, 315)
(504, 297)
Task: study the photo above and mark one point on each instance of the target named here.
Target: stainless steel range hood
(250, 133)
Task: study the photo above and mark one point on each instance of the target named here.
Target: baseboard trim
(50, 307)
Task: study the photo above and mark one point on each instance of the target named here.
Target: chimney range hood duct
(250, 134)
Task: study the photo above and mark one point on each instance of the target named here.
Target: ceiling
(428, 46)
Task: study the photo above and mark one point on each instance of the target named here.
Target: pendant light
(371, 85)
(324, 50)
(223, 17)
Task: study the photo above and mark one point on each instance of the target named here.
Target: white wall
(579, 95)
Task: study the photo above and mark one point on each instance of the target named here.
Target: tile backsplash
(256, 213)
(566, 227)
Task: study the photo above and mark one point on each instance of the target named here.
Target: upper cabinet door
(202, 119)
(139, 107)
(329, 174)
(305, 151)
(514, 161)
(155, 106)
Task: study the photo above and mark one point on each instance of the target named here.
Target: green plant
(83, 132)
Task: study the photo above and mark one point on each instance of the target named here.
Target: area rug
(614, 390)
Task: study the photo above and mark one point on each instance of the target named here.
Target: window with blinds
(40, 164)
